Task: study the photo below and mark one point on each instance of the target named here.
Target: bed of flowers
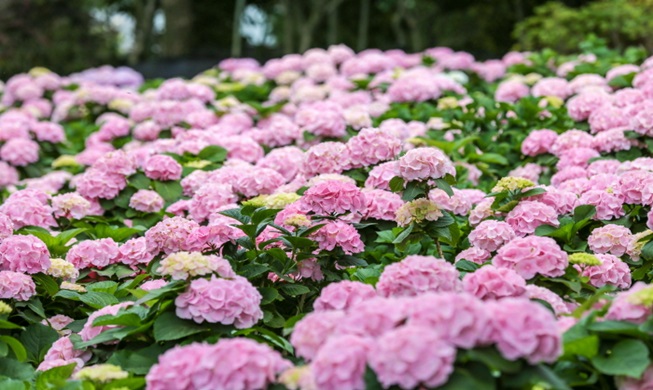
(331, 220)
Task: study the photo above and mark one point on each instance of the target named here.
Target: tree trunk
(236, 39)
(179, 23)
(363, 25)
(289, 27)
(332, 29)
(145, 16)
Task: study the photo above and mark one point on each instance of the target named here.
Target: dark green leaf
(139, 181)
(170, 191)
(627, 357)
(16, 370)
(169, 327)
(213, 153)
(37, 339)
(584, 212)
(269, 294)
(98, 300)
(295, 289)
(444, 186)
(396, 184)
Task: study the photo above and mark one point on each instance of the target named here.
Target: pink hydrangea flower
(612, 271)
(544, 294)
(64, 349)
(322, 118)
(533, 255)
(608, 204)
(208, 198)
(260, 181)
(325, 157)
(510, 91)
(134, 252)
(416, 275)
(340, 363)
(225, 301)
(474, 254)
(58, 323)
(490, 282)
(524, 329)
(25, 254)
(93, 253)
(153, 284)
(625, 308)
(613, 239)
(312, 331)
(425, 163)
(89, 331)
(339, 234)
(161, 167)
(117, 162)
(100, 184)
(146, 201)
(380, 176)
(371, 146)
(16, 285)
(20, 152)
(528, 215)
(343, 295)
(237, 363)
(70, 205)
(457, 203)
(383, 205)
(411, 356)
(538, 142)
(491, 235)
(372, 318)
(461, 319)
(333, 197)
(169, 235)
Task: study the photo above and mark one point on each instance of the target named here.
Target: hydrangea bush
(331, 220)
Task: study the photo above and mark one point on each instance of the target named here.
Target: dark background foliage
(164, 38)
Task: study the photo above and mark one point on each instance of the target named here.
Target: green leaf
(54, 378)
(584, 212)
(16, 347)
(491, 158)
(413, 190)
(269, 294)
(493, 359)
(385, 237)
(404, 234)
(13, 384)
(169, 327)
(349, 261)
(139, 181)
(444, 186)
(627, 357)
(170, 191)
(475, 377)
(138, 362)
(98, 300)
(8, 325)
(466, 266)
(213, 153)
(396, 184)
(106, 286)
(47, 283)
(578, 342)
(295, 289)
(37, 339)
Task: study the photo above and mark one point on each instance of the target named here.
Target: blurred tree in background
(621, 23)
(70, 35)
